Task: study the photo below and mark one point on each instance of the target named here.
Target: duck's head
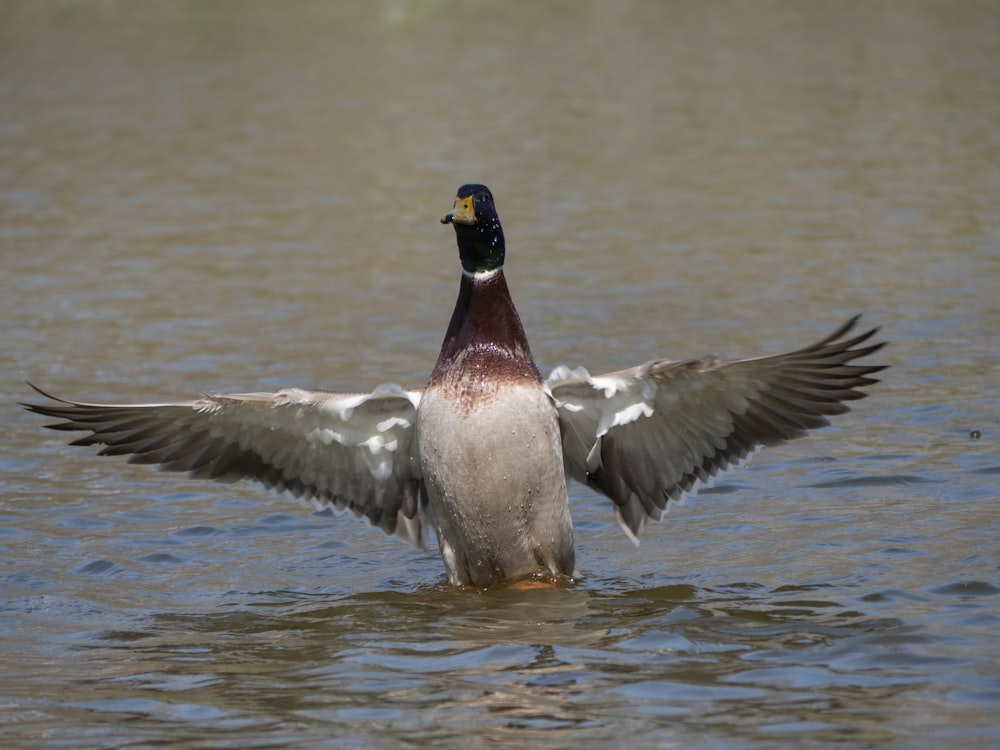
(477, 229)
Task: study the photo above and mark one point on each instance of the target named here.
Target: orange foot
(540, 579)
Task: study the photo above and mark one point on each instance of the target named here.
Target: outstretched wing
(653, 434)
(351, 451)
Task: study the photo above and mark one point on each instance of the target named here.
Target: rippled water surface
(239, 196)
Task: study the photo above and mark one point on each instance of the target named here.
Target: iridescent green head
(477, 229)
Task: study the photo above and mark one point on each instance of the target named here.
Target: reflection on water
(502, 663)
(240, 196)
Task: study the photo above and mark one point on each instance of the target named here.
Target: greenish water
(240, 196)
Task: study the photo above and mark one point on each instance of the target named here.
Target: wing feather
(654, 434)
(354, 452)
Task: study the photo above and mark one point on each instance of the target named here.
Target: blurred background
(245, 195)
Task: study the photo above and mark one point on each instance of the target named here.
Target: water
(239, 196)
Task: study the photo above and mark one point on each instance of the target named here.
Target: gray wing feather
(353, 452)
(651, 435)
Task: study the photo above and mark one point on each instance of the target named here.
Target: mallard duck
(481, 455)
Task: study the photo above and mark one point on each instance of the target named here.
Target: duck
(481, 455)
